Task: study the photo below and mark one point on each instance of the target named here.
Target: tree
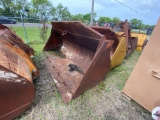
(53, 13)
(115, 20)
(22, 6)
(61, 12)
(8, 7)
(136, 24)
(152, 26)
(77, 17)
(146, 26)
(41, 8)
(103, 19)
(87, 18)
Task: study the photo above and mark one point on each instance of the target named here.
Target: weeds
(43, 31)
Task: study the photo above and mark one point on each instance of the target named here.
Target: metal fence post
(24, 28)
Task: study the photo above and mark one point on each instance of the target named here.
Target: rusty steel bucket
(77, 57)
(123, 29)
(118, 51)
(123, 45)
(16, 74)
(142, 40)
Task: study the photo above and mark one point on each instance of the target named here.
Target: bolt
(155, 71)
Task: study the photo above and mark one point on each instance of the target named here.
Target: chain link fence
(31, 32)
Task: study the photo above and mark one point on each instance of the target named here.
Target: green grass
(103, 102)
(33, 36)
(33, 39)
(119, 75)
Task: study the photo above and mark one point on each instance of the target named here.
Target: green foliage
(61, 13)
(43, 32)
(77, 17)
(115, 20)
(85, 18)
(41, 8)
(104, 19)
(152, 26)
(136, 24)
(8, 7)
(53, 12)
(22, 5)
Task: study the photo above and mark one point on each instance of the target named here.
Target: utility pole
(92, 13)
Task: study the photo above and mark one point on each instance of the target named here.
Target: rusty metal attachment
(118, 51)
(78, 56)
(124, 43)
(142, 40)
(144, 81)
(16, 74)
(123, 29)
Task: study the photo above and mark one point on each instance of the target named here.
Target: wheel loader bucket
(77, 57)
(123, 29)
(144, 81)
(118, 51)
(142, 40)
(16, 73)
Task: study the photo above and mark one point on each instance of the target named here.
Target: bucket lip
(86, 26)
(154, 112)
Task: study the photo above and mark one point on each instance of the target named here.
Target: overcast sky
(148, 10)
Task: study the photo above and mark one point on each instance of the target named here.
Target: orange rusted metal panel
(144, 81)
(78, 58)
(16, 74)
(10, 37)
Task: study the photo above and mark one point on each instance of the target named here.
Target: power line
(132, 9)
(155, 3)
(147, 6)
